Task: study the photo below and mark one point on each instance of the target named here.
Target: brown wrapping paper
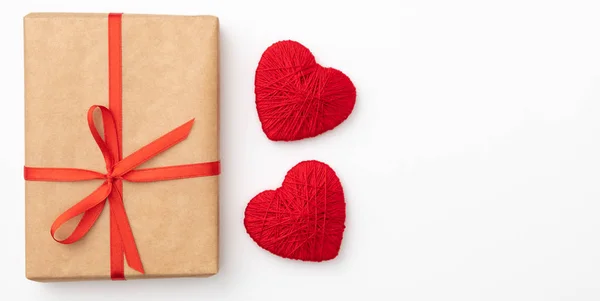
(170, 75)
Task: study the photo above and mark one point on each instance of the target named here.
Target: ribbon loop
(108, 145)
(91, 207)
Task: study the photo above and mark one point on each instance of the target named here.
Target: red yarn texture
(297, 98)
(304, 218)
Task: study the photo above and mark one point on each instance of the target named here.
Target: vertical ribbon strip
(122, 243)
(115, 100)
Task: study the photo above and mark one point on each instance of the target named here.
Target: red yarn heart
(297, 98)
(304, 218)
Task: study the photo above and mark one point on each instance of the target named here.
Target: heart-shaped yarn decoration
(297, 98)
(304, 218)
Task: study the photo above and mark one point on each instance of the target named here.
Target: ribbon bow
(122, 241)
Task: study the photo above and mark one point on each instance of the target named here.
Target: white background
(471, 163)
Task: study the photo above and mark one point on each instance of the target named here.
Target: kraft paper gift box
(153, 73)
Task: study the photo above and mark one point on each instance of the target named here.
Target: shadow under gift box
(170, 75)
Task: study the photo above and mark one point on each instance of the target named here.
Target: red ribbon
(122, 243)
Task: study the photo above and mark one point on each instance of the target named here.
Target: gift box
(121, 146)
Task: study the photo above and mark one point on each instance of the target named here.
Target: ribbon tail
(123, 232)
(152, 149)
